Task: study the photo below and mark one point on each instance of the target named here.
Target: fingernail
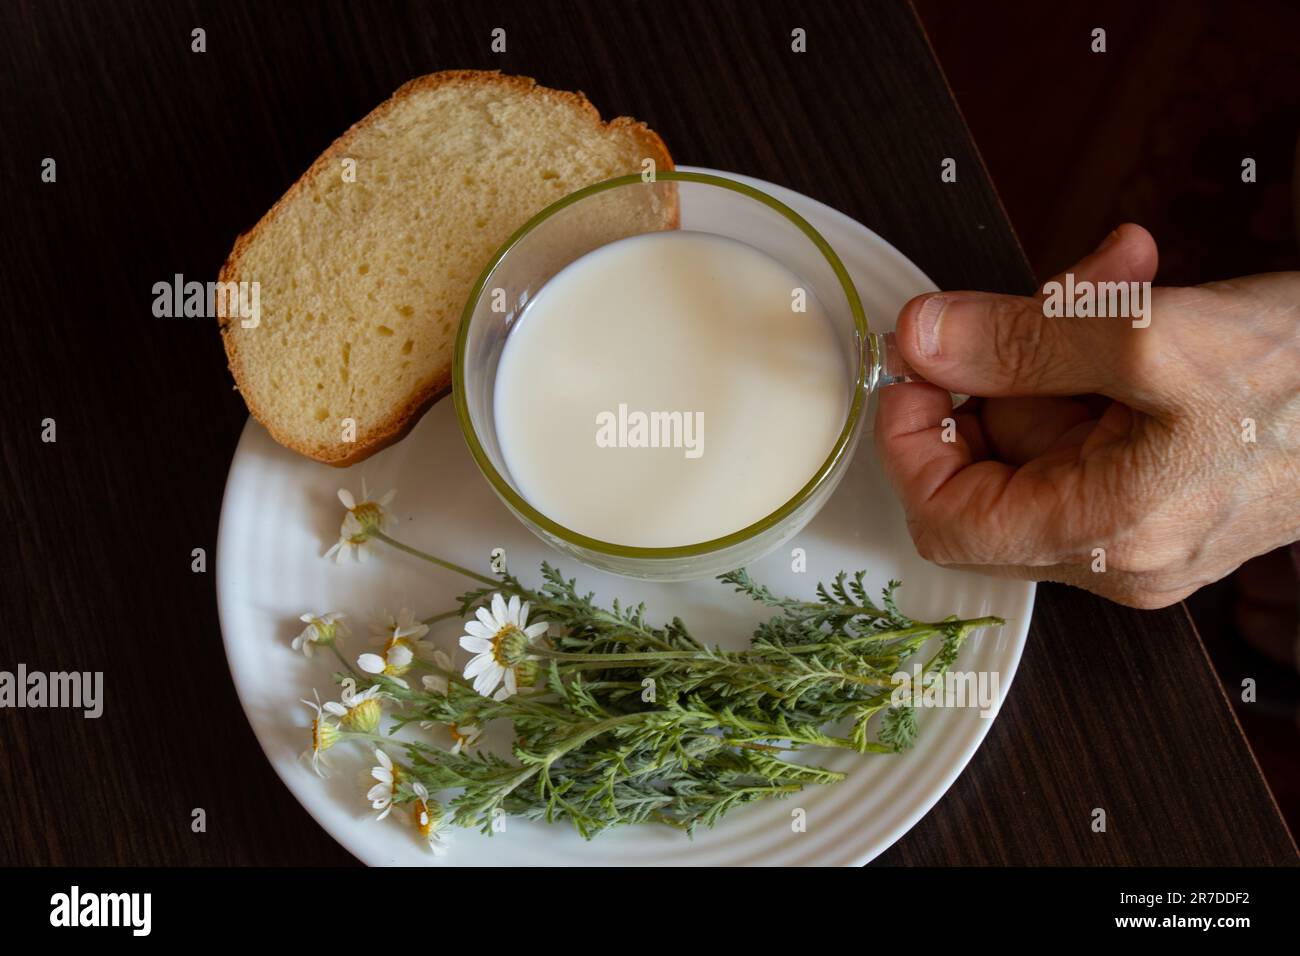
(927, 325)
(1108, 241)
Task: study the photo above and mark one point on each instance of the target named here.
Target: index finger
(965, 511)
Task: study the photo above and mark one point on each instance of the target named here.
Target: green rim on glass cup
(876, 359)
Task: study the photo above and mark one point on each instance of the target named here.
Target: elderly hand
(1137, 462)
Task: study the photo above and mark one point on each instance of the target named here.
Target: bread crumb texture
(362, 282)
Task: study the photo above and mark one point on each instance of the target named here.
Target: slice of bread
(362, 283)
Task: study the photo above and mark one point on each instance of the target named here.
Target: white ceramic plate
(281, 512)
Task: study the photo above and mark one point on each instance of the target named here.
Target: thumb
(993, 345)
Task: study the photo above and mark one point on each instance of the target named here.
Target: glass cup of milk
(661, 401)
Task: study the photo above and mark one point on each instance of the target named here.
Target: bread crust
(398, 423)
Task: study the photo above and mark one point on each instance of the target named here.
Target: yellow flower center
(323, 735)
(365, 716)
(423, 819)
(526, 673)
(370, 516)
(396, 670)
(509, 645)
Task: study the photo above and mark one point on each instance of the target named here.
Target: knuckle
(1158, 537)
(1146, 597)
(1016, 338)
(925, 540)
(1138, 553)
(1145, 600)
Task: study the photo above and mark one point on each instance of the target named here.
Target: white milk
(669, 322)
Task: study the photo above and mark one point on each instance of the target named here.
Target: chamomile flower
(499, 640)
(396, 638)
(324, 735)
(382, 794)
(360, 712)
(363, 519)
(464, 737)
(322, 629)
(402, 627)
(526, 674)
(438, 683)
(431, 821)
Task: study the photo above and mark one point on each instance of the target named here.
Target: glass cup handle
(888, 367)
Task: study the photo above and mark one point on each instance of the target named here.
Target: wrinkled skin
(1094, 434)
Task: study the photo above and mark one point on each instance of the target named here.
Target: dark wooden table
(163, 155)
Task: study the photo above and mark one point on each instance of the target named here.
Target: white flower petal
(512, 610)
(487, 620)
(371, 663)
(435, 683)
(488, 679)
(476, 645)
(499, 609)
(477, 664)
(536, 630)
(479, 629)
(399, 655)
(345, 496)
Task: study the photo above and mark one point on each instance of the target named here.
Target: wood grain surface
(164, 155)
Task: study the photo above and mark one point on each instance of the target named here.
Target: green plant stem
(445, 615)
(725, 724)
(342, 660)
(424, 556)
(618, 661)
(566, 745)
